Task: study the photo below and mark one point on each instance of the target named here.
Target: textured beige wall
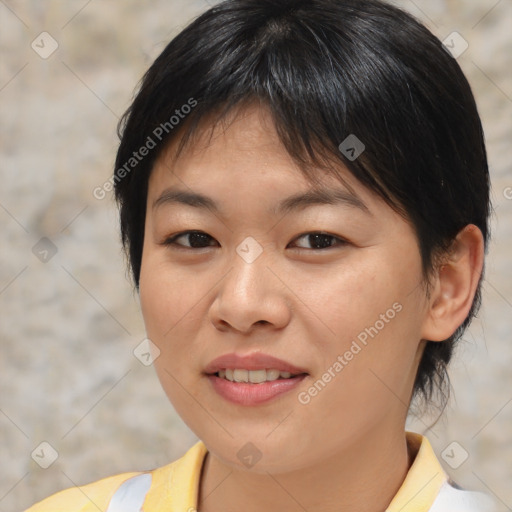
(68, 326)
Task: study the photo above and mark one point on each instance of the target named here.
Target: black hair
(326, 70)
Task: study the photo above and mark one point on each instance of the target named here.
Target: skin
(302, 305)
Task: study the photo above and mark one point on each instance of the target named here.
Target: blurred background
(69, 319)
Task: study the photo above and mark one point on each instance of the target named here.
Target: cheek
(351, 298)
(173, 309)
(166, 295)
(371, 316)
(168, 307)
(155, 297)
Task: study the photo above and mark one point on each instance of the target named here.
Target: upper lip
(255, 361)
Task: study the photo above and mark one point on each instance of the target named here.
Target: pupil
(198, 240)
(319, 238)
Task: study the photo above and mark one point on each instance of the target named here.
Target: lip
(243, 393)
(254, 361)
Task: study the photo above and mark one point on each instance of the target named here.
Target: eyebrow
(295, 202)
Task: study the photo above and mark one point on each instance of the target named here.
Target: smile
(253, 376)
(252, 379)
(253, 393)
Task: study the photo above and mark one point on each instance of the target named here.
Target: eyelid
(341, 240)
(171, 240)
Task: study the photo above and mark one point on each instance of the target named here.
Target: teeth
(257, 376)
(241, 375)
(253, 376)
(273, 374)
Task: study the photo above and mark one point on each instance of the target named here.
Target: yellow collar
(176, 486)
(423, 480)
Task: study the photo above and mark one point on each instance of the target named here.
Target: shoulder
(91, 497)
(428, 487)
(170, 487)
(452, 498)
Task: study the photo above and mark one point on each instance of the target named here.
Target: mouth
(252, 379)
(255, 367)
(254, 376)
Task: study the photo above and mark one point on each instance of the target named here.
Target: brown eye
(321, 240)
(196, 240)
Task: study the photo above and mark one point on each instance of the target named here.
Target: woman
(304, 200)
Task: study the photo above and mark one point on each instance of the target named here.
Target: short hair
(326, 69)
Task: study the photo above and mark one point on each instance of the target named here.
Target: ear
(455, 285)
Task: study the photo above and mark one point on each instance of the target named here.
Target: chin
(261, 456)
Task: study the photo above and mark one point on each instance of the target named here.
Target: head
(256, 101)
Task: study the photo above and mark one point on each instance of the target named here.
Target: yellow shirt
(174, 488)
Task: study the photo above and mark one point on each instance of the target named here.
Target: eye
(200, 240)
(197, 240)
(321, 240)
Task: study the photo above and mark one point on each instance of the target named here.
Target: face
(332, 291)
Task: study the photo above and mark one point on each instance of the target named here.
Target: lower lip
(243, 393)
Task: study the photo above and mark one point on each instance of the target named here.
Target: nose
(250, 294)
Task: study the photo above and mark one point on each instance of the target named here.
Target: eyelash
(171, 241)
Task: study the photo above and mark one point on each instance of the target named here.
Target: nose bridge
(248, 278)
(250, 293)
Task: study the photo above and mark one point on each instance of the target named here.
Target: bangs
(327, 72)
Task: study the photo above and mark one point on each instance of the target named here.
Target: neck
(362, 477)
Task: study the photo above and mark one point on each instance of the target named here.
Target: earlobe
(455, 285)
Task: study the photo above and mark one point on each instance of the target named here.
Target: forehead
(239, 171)
(241, 147)
(236, 140)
